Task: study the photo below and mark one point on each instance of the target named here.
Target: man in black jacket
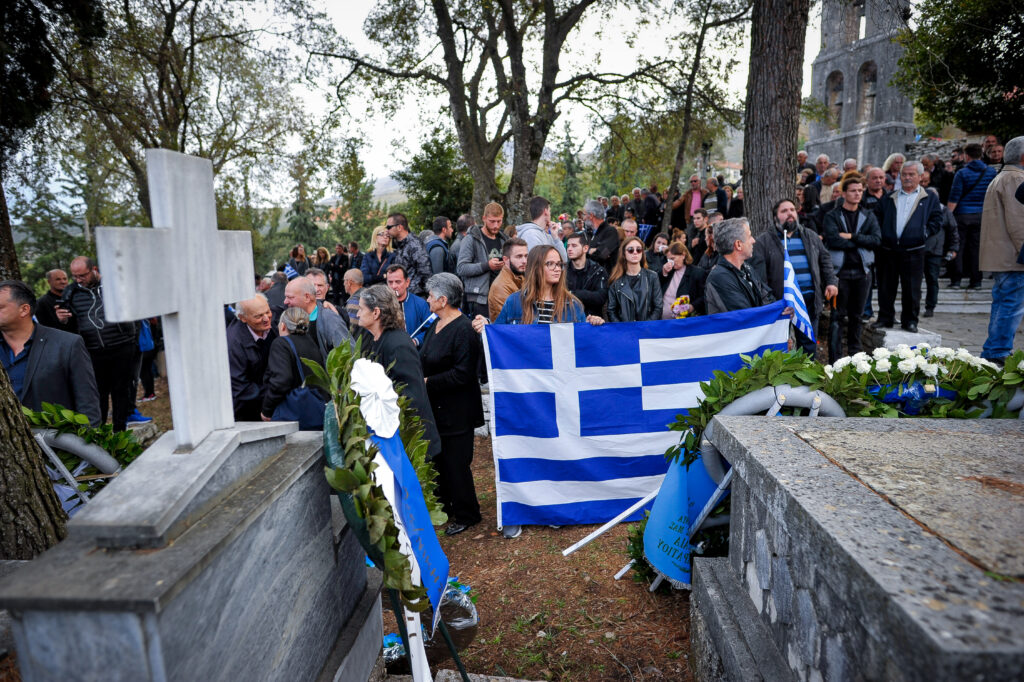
(44, 364)
(249, 339)
(811, 262)
(111, 345)
(731, 284)
(604, 244)
(336, 269)
(46, 313)
(910, 216)
(587, 280)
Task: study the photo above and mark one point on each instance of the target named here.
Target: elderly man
(802, 162)
(44, 364)
(811, 262)
(615, 212)
(46, 313)
(409, 252)
(326, 325)
(732, 285)
(821, 165)
(604, 239)
(249, 339)
(353, 283)
(1002, 252)
(715, 199)
(415, 309)
(910, 216)
(629, 228)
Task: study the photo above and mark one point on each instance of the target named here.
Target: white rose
(930, 370)
(860, 357)
(907, 366)
(923, 346)
(904, 351)
(920, 361)
(840, 363)
(883, 365)
(942, 352)
(862, 366)
(962, 354)
(881, 353)
(829, 372)
(1020, 366)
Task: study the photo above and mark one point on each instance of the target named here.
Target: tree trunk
(9, 268)
(31, 518)
(777, 34)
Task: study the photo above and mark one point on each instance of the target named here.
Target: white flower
(985, 363)
(860, 357)
(941, 352)
(907, 366)
(920, 361)
(903, 350)
(923, 346)
(930, 370)
(829, 372)
(862, 366)
(1020, 366)
(881, 353)
(883, 365)
(840, 363)
(962, 354)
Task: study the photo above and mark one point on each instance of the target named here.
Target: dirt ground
(544, 616)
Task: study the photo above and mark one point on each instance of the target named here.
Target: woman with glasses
(544, 298)
(377, 258)
(634, 293)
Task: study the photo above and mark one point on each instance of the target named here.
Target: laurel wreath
(350, 466)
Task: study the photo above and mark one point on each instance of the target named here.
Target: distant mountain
(385, 190)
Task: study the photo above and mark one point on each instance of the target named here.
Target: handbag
(302, 404)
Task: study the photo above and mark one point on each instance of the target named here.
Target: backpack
(438, 242)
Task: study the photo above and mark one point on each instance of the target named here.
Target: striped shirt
(801, 267)
(545, 312)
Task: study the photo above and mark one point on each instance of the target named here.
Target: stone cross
(184, 270)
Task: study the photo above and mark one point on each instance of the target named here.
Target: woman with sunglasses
(544, 298)
(378, 258)
(634, 293)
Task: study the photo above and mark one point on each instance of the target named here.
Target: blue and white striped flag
(580, 414)
(793, 297)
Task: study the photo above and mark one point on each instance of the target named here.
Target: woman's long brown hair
(620, 267)
(533, 284)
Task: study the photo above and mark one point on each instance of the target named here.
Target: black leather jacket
(590, 285)
(625, 305)
(87, 306)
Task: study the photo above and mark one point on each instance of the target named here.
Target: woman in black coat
(449, 355)
(688, 278)
(380, 314)
(282, 366)
(634, 293)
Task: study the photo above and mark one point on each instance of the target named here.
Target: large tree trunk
(31, 518)
(9, 268)
(773, 106)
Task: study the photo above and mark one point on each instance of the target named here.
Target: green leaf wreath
(350, 454)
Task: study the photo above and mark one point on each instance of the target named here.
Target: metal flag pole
(611, 524)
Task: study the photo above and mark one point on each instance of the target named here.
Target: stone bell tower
(870, 118)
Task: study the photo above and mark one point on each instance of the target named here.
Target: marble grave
(220, 553)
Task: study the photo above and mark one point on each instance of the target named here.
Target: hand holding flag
(793, 297)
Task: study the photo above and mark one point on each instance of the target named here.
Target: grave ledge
(164, 491)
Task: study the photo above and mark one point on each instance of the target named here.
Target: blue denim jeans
(1007, 311)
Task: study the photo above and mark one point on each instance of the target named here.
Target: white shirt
(904, 208)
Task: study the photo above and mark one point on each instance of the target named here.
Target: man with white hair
(802, 163)
(820, 166)
(849, 165)
(604, 239)
(910, 216)
(249, 339)
(1002, 251)
(324, 324)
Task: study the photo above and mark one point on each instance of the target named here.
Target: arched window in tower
(867, 88)
(834, 97)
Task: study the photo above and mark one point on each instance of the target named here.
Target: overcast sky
(389, 142)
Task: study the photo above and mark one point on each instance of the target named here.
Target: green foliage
(642, 571)
(436, 180)
(568, 158)
(355, 478)
(357, 213)
(962, 63)
(121, 445)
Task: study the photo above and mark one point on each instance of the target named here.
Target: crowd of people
(419, 302)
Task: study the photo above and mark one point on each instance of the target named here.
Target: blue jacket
(512, 311)
(371, 265)
(416, 311)
(964, 179)
(925, 220)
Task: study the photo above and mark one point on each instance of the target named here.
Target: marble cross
(184, 270)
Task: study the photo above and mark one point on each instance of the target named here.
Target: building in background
(870, 119)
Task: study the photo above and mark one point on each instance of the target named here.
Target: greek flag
(580, 414)
(793, 298)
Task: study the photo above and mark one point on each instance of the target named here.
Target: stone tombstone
(866, 549)
(220, 553)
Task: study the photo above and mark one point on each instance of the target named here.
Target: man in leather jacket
(587, 280)
(732, 285)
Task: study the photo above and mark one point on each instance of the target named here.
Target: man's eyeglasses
(634, 250)
(554, 265)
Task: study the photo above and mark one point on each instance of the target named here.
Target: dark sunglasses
(634, 250)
